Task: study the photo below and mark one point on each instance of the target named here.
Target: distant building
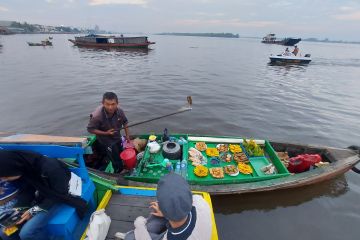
(16, 30)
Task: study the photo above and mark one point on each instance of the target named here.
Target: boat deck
(124, 209)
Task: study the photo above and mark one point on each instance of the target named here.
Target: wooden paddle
(180, 110)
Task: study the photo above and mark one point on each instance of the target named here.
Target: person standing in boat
(106, 122)
(177, 214)
(295, 51)
(45, 183)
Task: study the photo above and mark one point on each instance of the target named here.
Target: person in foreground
(177, 214)
(45, 183)
(106, 122)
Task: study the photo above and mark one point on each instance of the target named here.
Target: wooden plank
(127, 200)
(119, 226)
(123, 210)
(43, 139)
(127, 213)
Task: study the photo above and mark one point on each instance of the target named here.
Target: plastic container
(169, 166)
(302, 163)
(129, 158)
(178, 168)
(184, 168)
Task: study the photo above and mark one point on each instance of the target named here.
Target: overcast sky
(335, 19)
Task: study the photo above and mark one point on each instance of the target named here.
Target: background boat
(271, 39)
(100, 41)
(290, 59)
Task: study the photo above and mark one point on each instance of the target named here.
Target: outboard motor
(307, 55)
(357, 149)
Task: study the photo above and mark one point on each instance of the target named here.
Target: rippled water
(235, 91)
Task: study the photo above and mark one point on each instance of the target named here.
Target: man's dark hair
(110, 96)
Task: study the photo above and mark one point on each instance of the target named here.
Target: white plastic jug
(98, 226)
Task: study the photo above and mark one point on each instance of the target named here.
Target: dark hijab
(49, 176)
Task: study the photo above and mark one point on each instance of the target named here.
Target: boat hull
(111, 45)
(290, 59)
(340, 161)
(285, 42)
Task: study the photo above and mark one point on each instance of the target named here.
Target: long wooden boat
(339, 161)
(43, 43)
(100, 41)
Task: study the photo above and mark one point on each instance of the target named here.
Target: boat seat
(64, 223)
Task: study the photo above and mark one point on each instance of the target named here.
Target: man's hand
(156, 210)
(110, 132)
(26, 216)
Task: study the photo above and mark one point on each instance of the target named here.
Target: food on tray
(252, 148)
(235, 148)
(240, 157)
(225, 157)
(222, 147)
(201, 146)
(212, 152)
(231, 170)
(214, 161)
(196, 157)
(217, 172)
(201, 171)
(269, 169)
(245, 168)
(284, 158)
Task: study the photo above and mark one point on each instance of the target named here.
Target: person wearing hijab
(48, 184)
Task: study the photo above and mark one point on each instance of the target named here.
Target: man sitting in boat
(177, 214)
(106, 122)
(295, 51)
(45, 183)
(287, 52)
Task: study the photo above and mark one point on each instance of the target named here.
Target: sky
(333, 19)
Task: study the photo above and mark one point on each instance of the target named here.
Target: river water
(52, 90)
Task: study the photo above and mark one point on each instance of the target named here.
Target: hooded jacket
(50, 177)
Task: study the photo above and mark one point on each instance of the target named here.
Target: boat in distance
(290, 59)
(42, 43)
(101, 41)
(272, 39)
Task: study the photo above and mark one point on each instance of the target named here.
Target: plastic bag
(302, 163)
(98, 226)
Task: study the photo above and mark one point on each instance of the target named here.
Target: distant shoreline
(223, 35)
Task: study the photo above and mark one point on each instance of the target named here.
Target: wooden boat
(271, 39)
(100, 41)
(122, 203)
(339, 161)
(291, 59)
(43, 43)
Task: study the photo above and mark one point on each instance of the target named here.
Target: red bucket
(129, 158)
